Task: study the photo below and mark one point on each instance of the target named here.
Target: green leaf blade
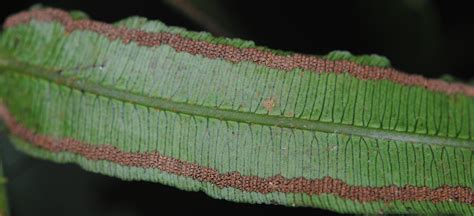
(225, 118)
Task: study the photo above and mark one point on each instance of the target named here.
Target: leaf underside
(242, 131)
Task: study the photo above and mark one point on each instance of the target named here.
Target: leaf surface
(142, 101)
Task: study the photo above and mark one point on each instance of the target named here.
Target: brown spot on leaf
(269, 103)
(290, 114)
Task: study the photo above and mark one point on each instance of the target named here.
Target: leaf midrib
(8, 63)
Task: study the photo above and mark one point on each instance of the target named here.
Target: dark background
(431, 38)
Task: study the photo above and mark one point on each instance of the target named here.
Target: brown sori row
(154, 160)
(234, 54)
